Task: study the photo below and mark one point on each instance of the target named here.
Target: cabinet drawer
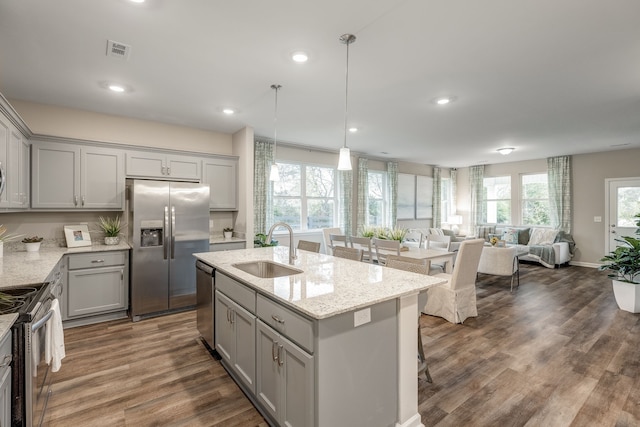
(99, 259)
(236, 291)
(285, 321)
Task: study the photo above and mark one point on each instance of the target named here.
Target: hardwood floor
(555, 352)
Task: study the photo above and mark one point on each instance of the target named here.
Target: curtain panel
(363, 194)
(346, 194)
(559, 173)
(437, 197)
(454, 191)
(476, 185)
(262, 187)
(392, 182)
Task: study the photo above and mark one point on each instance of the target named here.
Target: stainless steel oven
(31, 379)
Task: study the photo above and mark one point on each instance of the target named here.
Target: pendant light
(275, 174)
(344, 161)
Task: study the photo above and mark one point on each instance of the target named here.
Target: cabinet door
(25, 173)
(96, 290)
(102, 178)
(297, 375)
(183, 167)
(55, 175)
(15, 184)
(244, 361)
(268, 384)
(222, 177)
(224, 327)
(5, 397)
(140, 163)
(4, 158)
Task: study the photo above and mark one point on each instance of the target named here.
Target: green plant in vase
(111, 227)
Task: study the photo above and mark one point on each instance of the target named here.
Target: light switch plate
(597, 219)
(361, 317)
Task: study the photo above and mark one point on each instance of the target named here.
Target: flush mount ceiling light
(344, 161)
(275, 174)
(506, 150)
(444, 100)
(228, 111)
(299, 57)
(353, 130)
(116, 88)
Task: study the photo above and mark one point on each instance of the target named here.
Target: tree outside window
(305, 196)
(535, 199)
(377, 198)
(497, 200)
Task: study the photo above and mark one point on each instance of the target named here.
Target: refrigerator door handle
(173, 231)
(165, 244)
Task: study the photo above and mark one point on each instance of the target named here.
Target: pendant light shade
(344, 161)
(275, 173)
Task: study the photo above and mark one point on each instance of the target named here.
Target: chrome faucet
(292, 250)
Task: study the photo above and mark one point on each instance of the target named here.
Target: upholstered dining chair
(388, 245)
(348, 253)
(363, 243)
(500, 262)
(326, 232)
(455, 300)
(420, 266)
(306, 245)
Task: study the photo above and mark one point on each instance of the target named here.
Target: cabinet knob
(97, 261)
(75, 200)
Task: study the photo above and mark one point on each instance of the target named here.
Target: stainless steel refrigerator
(167, 222)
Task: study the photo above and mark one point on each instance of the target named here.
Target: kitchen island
(333, 343)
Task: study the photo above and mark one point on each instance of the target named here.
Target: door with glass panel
(623, 198)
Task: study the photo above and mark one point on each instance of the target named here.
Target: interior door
(623, 198)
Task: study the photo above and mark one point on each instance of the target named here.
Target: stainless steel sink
(266, 269)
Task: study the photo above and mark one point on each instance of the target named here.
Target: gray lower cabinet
(97, 284)
(235, 338)
(284, 386)
(5, 380)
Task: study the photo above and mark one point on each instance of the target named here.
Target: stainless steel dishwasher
(204, 303)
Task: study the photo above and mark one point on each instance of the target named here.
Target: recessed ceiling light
(444, 100)
(228, 111)
(300, 57)
(353, 130)
(136, 1)
(116, 88)
(506, 150)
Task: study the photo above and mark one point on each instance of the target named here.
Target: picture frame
(424, 197)
(406, 196)
(501, 244)
(77, 235)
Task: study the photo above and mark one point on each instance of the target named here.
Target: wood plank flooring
(555, 352)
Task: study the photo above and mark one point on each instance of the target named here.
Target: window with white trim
(377, 198)
(305, 197)
(535, 199)
(497, 200)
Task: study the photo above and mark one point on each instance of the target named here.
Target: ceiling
(547, 77)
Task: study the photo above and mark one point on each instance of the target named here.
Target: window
(446, 199)
(497, 200)
(535, 199)
(377, 198)
(305, 197)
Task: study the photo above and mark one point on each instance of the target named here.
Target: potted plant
(32, 243)
(397, 234)
(260, 241)
(4, 237)
(624, 263)
(368, 231)
(228, 232)
(111, 227)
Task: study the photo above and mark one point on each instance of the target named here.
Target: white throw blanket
(54, 339)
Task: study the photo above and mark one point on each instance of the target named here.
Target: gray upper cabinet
(222, 176)
(14, 162)
(70, 176)
(160, 165)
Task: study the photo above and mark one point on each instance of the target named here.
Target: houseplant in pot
(111, 227)
(32, 243)
(228, 232)
(624, 263)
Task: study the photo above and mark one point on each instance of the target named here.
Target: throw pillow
(483, 231)
(510, 235)
(436, 231)
(542, 236)
(523, 235)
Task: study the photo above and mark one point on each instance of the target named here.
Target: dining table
(432, 255)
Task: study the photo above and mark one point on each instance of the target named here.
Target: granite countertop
(328, 285)
(21, 268)
(6, 321)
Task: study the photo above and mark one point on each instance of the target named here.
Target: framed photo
(406, 196)
(424, 197)
(77, 235)
(501, 244)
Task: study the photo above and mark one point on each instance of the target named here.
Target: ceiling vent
(118, 50)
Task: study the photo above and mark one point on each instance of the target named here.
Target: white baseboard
(584, 264)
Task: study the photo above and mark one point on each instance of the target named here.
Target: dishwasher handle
(205, 268)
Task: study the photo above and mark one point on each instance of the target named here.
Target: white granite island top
(6, 322)
(21, 268)
(328, 285)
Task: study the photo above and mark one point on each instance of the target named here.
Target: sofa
(547, 246)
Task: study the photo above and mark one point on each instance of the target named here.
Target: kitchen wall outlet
(597, 219)
(361, 317)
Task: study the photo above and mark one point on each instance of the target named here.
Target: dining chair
(384, 244)
(413, 238)
(420, 266)
(364, 243)
(337, 240)
(348, 253)
(326, 232)
(440, 243)
(500, 262)
(455, 300)
(306, 245)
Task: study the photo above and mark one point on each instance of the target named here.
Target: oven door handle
(40, 323)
